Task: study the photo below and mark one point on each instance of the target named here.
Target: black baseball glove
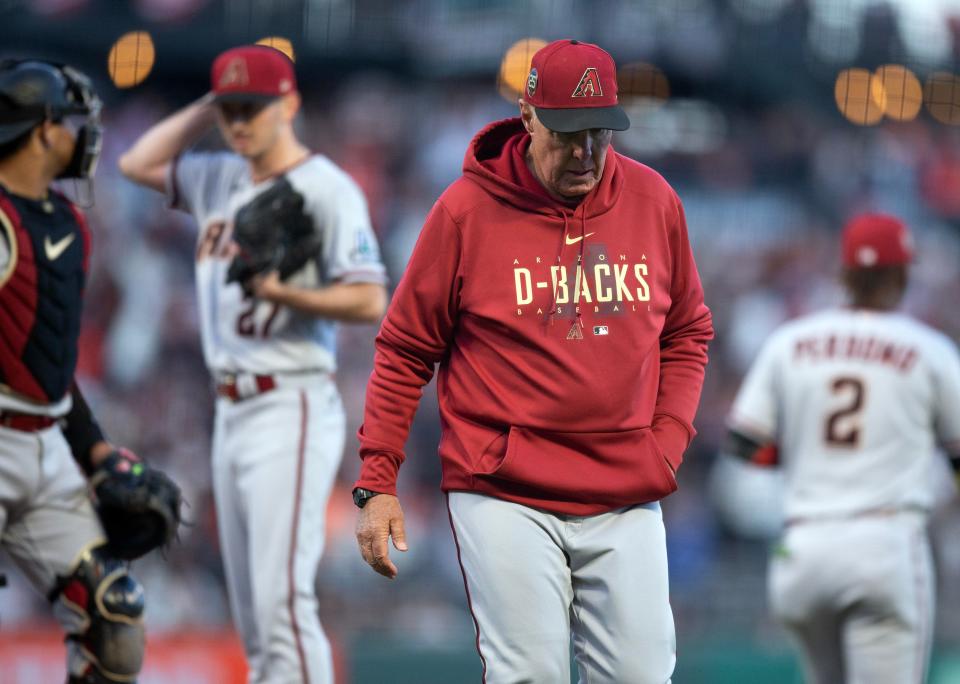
(273, 232)
(138, 506)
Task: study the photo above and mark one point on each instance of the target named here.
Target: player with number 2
(855, 402)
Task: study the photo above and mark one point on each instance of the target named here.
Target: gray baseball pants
(46, 519)
(537, 582)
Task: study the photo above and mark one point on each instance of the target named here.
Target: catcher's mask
(33, 91)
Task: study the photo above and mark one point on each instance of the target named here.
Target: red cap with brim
(573, 86)
(874, 240)
(252, 73)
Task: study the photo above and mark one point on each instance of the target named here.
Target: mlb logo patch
(600, 330)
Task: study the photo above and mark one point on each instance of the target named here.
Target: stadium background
(749, 109)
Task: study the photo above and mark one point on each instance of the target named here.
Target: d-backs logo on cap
(532, 82)
(234, 74)
(589, 85)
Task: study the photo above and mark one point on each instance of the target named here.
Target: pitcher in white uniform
(855, 402)
(279, 430)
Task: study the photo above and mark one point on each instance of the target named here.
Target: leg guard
(100, 606)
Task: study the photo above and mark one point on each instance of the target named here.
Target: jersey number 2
(853, 388)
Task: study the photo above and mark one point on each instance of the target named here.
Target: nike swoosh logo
(55, 249)
(575, 240)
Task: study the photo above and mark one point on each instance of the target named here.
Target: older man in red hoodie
(554, 285)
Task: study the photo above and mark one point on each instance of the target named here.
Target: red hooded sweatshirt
(571, 341)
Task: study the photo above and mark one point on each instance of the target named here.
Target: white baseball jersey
(856, 401)
(245, 334)
(276, 454)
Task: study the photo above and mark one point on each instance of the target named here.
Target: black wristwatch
(361, 496)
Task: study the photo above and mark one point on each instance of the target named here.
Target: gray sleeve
(755, 409)
(350, 250)
(199, 181)
(947, 397)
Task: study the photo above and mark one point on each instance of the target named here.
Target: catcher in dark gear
(49, 129)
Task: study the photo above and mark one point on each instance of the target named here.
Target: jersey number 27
(247, 322)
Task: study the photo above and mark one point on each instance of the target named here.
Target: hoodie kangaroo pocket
(618, 468)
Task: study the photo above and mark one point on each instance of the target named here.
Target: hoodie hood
(496, 161)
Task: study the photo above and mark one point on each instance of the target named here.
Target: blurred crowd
(764, 203)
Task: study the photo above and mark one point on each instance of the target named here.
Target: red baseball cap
(872, 240)
(252, 72)
(573, 85)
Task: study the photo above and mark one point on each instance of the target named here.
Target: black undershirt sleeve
(81, 430)
(740, 445)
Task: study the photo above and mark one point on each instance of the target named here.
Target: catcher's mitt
(138, 506)
(273, 232)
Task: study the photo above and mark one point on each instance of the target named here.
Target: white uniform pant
(536, 581)
(46, 519)
(857, 595)
(275, 457)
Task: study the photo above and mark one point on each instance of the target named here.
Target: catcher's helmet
(32, 91)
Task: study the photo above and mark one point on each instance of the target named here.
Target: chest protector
(41, 294)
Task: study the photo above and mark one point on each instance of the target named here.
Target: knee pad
(100, 606)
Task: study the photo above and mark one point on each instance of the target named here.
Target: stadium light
(642, 80)
(860, 96)
(515, 67)
(941, 94)
(903, 91)
(279, 43)
(131, 59)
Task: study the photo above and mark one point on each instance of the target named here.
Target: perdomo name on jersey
(869, 349)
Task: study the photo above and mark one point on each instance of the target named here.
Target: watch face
(362, 496)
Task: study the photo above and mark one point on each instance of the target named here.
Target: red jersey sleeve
(683, 349)
(414, 336)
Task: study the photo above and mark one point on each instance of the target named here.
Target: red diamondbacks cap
(252, 72)
(573, 85)
(871, 240)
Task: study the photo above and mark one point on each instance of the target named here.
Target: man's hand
(99, 452)
(381, 519)
(267, 286)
